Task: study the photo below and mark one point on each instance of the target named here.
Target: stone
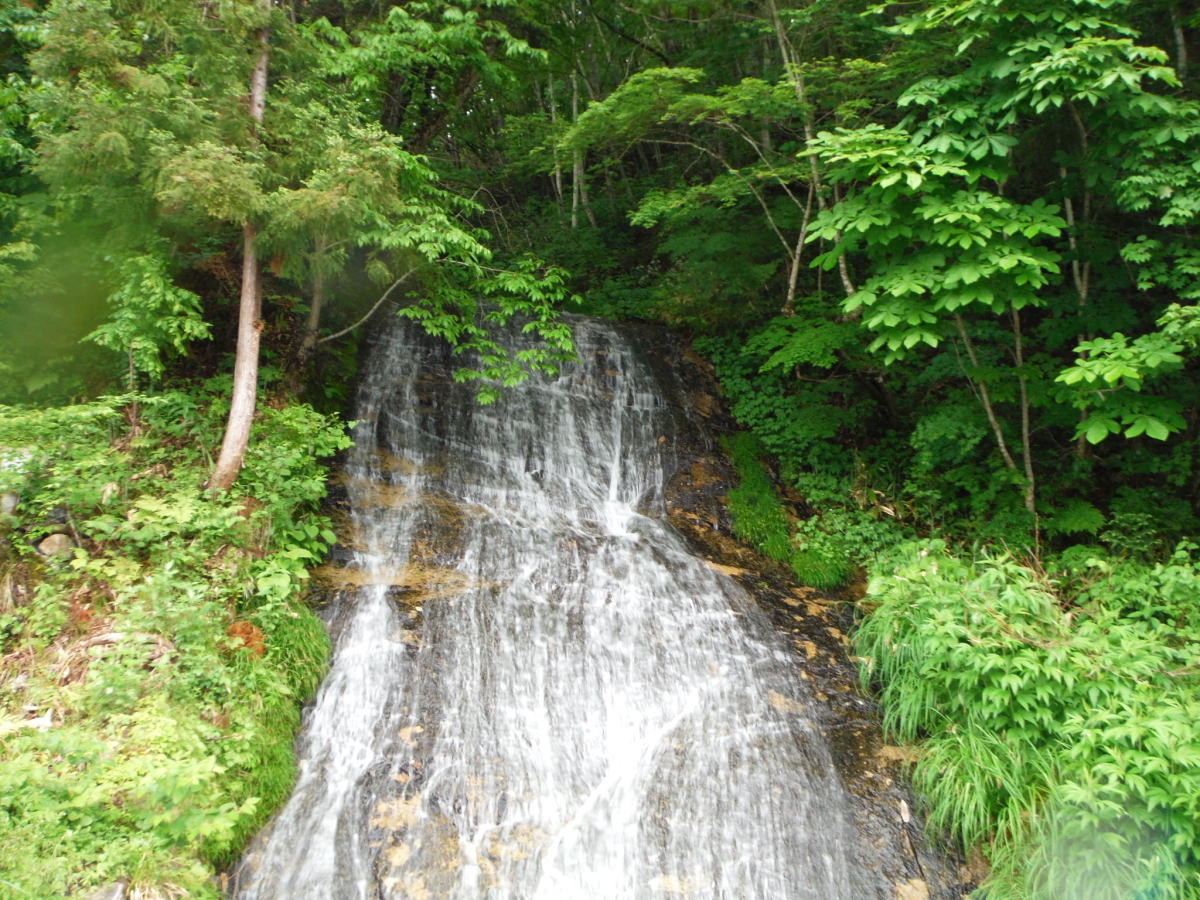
(707, 405)
(8, 502)
(56, 545)
(115, 891)
(913, 889)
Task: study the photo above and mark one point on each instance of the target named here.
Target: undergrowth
(823, 550)
(152, 675)
(1061, 719)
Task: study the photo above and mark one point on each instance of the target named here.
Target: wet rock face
(540, 688)
(816, 623)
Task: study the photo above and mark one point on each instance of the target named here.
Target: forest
(938, 253)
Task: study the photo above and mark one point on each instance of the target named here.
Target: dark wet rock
(340, 555)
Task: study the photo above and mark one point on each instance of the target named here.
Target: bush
(168, 655)
(1063, 732)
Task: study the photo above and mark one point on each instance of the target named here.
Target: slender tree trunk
(579, 194)
(576, 156)
(792, 65)
(557, 179)
(789, 305)
(316, 303)
(1026, 444)
(308, 340)
(1181, 57)
(245, 367)
(583, 194)
(1080, 271)
(985, 398)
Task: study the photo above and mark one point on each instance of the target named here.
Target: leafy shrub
(796, 420)
(843, 533)
(1063, 733)
(163, 741)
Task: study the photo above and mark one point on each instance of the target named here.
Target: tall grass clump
(1060, 720)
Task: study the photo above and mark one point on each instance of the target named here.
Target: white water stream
(540, 692)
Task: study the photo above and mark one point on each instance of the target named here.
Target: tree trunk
(576, 155)
(579, 195)
(789, 304)
(316, 305)
(308, 340)
(245, 367)
(1026, 443)
(1181, 58)
(792, 66)
(557, 178)
(985, 398)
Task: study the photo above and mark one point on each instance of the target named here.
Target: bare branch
(378, 303)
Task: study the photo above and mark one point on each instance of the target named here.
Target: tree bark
(316, 304)
(579, 195)
(789, 304)
(1181, 57)
(308, 340)
(791, 64)
(245, 366)
(576, 156)
(557, 178)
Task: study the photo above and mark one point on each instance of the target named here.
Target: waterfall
(537, 689)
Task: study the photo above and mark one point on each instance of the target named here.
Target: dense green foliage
(1071, 737)
(153, 674)
(940, 254)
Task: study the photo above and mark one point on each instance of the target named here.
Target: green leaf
(1099, 429)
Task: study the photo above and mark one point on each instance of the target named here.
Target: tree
(245, 366)
(947, 221)
(160, 127)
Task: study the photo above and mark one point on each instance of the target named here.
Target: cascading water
(538, 691)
